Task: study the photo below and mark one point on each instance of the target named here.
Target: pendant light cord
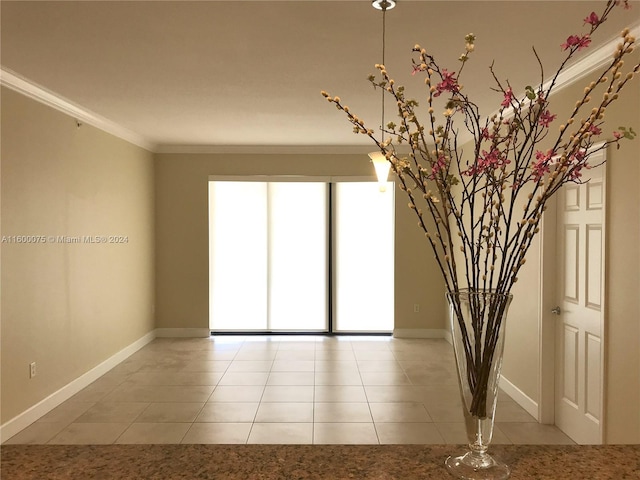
(384, 14)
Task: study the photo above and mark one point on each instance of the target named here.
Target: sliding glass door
(364, 250)
(268, 256)
(272, 246)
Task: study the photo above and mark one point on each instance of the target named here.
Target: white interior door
(580, 313)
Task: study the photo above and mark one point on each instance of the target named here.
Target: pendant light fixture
(380, 162)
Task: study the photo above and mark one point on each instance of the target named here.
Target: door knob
(556, 311)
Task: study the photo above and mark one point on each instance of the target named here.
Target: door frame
(549, 271)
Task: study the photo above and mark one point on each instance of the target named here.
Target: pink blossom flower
(617, 135)
(439, 166)
(487, 160)
(508, 97)
(546, 118)
(575, 41)
(541, 166)
(448, 83)
(417, 68)
(595, 130)
(592, 19)
(576, 163)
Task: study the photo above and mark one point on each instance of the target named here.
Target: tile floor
(279, 389)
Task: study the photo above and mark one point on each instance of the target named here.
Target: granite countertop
(305, 462)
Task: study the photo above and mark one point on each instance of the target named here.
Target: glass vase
(478, 320)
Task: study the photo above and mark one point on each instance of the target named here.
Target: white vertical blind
(268, 262)
(237, 255)
(297, 256)
(268, 256)
(364, 239)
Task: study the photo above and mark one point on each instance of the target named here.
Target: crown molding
(268, 149)
(595, 60)
(30, 89)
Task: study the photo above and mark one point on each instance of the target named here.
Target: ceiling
(248, 74)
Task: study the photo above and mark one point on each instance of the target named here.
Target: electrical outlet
(416, 307)
(32, 369)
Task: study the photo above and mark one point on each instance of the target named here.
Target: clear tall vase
(478, 320)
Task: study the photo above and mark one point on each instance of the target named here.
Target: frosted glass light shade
(382, 166)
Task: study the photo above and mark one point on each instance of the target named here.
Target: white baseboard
(422, 333)
(520, 397)
(26, 418)
(182, 332)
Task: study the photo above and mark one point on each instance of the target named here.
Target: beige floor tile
(391, 393)
(154, 433)
(293, 366)
(228, 412)
(435, 375)
(112, 412)
(335, 356)
(338, 378)
(399, 412)
(510, 411)
(37, 433)
(228, 433)
(445, 412)
(66, 412)
(207, 366)
(371, 343)
(374, 355)
(379, 366)
(534, 434)
(175, 378)
(333, 343)
(237, 393)
(244, 378)
(347, 366)
(89, 434)
(290, 381)
(256, 355)
(344, 433)
(167, 412)
(288, 393)
(339, 393)
(285, 412)
(111, 378)
(96, 391)
(250, 366)
(308, 355)
(408, 433)
(281, 433)
(334, 412)
(159, 393)
(216, 356)
(297, 343)
(439, 393)
(291, 378)
(384, 378)
(456, 434)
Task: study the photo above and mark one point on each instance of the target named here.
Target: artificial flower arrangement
(481, 207)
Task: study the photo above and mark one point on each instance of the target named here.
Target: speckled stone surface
(304, 462)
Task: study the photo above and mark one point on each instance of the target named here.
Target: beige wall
(182, 235)
(69, 307)
(622, 317)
